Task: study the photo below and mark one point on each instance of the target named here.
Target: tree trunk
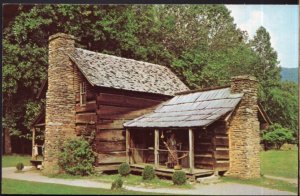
(7, 142)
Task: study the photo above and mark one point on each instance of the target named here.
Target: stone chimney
(60, 99)
(244, 138)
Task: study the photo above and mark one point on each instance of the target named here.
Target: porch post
(127, 146)
(191, 150)
(33, 143)
(156, 147)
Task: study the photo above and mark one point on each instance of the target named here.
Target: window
(82, 93)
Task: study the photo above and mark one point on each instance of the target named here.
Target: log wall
(114, 107)
(104, 114)
(211, 147)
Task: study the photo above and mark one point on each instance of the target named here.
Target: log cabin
(99, 95)
(89, 93)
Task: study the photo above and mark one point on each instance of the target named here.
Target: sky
(281, 21)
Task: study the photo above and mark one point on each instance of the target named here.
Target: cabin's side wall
(221, 146)
(204, 149)
(211, 147)
(86, 117)
(114, 107)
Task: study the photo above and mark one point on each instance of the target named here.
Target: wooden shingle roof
(190, 110)
(128, 74)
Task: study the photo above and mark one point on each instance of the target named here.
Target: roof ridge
(203, 90)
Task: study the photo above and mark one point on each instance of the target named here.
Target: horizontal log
(113, 158)
(86, 118)
(90, 96)
(132, 93)
(204, 155)
(85, 129)
(110, 135)
(204, 160)
(222, 166)
(123, 100)
(204, 166)
(204, 140)
(88, 107)
(128, 115)
(102, 147)
(221, 154)
(111, 124)
(108, 112)
(221, 131)
(203, 147)
(222, 141)
(107, 167)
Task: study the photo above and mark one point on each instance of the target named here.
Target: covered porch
(149, 147)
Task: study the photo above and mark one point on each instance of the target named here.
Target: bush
(20, 166)
(117, 184)
(148, 173)
(124, 169)
(77, 157)
(277, 135)
(179, 178)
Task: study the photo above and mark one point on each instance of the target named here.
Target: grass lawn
(13, 160)
(280, 163)
(24, 187)
(264, 182)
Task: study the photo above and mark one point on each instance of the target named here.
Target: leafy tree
(283, 105)
(200, 43)
(277, 135)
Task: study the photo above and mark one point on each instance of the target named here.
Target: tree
(266, 68)
(278, 98)
(200, 43)
(277, 135)
(282, 105)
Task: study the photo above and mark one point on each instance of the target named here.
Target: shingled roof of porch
(190, 110)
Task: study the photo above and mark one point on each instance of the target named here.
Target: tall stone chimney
(244, 138)
(60, 99)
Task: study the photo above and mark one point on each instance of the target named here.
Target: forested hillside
(200, 43)
(289, 74)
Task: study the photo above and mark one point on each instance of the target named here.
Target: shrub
(20, 166)
(117, 184)
(124, 169)
(179, 178)
(77, 157)
(148, 173)
(277, 135)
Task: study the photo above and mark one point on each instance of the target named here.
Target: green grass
(25, 187)
(264, 182)
(12, 160)
(280, 163)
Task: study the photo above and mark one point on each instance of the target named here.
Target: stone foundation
(60, 99)
(244, 138)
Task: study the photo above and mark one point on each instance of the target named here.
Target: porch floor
(164, 171)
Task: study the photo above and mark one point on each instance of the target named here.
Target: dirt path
(219, 189)
(289, 180)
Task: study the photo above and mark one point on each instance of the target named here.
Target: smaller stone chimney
(244, 138)
(60, 99)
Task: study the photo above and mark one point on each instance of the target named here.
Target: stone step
(209, 179)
